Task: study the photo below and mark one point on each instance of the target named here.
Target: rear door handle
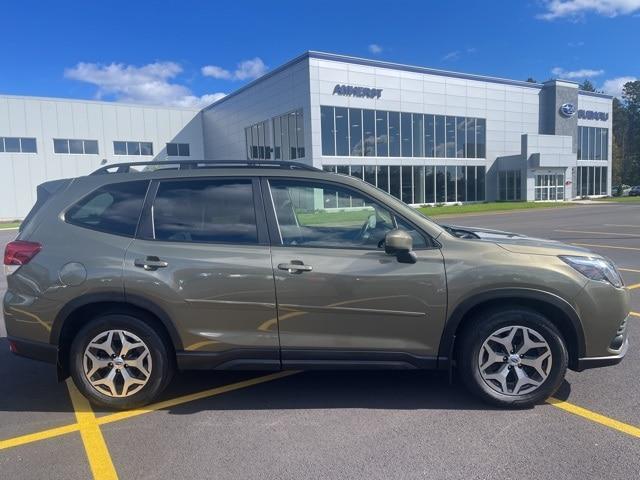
(150, 263)
(296, 266)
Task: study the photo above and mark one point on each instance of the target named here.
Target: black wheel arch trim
(113, 297)
(447, 341)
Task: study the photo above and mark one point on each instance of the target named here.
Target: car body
(274, 265)
(634, 191)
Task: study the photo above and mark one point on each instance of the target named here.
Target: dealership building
(426, 136)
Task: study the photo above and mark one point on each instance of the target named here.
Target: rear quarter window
(111, 209)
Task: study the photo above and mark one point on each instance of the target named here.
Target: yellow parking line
(635, 314)
(604, 246)
(628, 270)
(116, 417)
(74, 427)
(35, 437)
(595, 417)
(94, 445)
(598, 233)
(632, 287)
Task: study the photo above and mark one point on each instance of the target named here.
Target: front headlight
(594, 268)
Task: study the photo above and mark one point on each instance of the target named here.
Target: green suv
(123, 276)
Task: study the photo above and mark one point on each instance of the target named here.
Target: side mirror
(399, 243)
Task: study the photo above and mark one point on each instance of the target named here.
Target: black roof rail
(192, 164)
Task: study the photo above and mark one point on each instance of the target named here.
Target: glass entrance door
(549, 187)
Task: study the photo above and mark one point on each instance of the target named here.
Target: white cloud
(375, 48)
(613, 86)
(216, 72)
(452, 55)
(578, 8)
(149, 84)
(245, 70)
(575, 74)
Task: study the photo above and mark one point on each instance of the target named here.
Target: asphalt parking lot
(344, 425)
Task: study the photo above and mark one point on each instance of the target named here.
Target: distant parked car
(634, 191)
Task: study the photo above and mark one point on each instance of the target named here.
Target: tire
(146, 367)
(518, 389)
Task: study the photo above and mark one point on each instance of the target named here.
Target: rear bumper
(43, 352)
(597, 362)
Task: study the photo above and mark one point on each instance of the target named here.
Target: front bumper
(597, 362)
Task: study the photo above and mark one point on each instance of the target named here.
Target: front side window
(112, 209)
(205, 211)
(315, 214)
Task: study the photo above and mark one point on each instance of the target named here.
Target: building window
(17, 145)
(258, 141)
(354, 132)
(328, 131)
(591, 181)
(510, 185)
(75, 147)
(132, 148)
(287, 134)
(419, 184)
(178, 149)
(593, 143)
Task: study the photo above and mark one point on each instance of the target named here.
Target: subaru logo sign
(568, 109)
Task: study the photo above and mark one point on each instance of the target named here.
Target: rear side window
(205, 211)
(112, 209)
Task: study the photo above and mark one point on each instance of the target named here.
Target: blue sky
(192, 52)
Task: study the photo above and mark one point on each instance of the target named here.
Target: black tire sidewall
(160, 372)
(474, 337)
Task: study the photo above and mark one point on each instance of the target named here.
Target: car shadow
(31, 386)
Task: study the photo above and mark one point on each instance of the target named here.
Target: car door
(202, 257)
(341, 298)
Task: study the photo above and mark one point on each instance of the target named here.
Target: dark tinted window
(119, 148)
(205, 211)
(60, 146)
(183, 149)
(172, 149)
(91, 147)
(28, 145)
(113, 208)
(12, 145)
(76, 146)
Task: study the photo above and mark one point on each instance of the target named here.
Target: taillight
(20, 252)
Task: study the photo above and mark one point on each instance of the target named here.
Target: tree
(620, 122)
(631, 151)
(587, 86)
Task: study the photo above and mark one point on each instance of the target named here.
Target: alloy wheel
(515, 360)
(117, 363)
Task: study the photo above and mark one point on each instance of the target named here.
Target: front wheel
(512, 357)
(119, 361)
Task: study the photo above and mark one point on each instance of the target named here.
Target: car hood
(516, 242)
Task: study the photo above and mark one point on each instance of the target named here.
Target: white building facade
(48, 138)
(423, 135)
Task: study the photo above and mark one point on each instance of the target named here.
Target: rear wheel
(512, 357)
(119, 361)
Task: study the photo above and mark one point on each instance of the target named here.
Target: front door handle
(296, 266)
(150, 263)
